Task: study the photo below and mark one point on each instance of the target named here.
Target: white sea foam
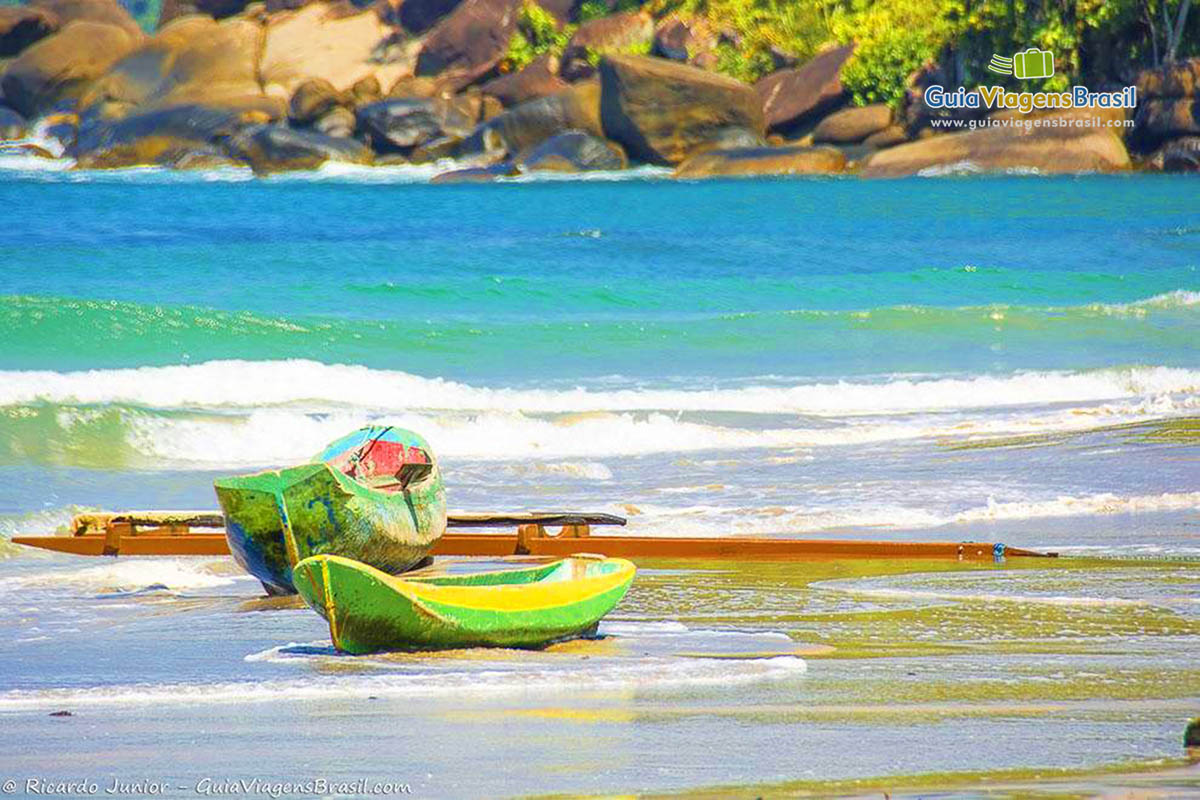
(538, 678)
(132, 574)
(718, 520)
(265, 383)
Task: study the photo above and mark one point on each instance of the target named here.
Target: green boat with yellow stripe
(529, 607)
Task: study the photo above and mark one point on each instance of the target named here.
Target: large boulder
(660, 111)
(531, 123)
(793, 98)
(218, 9)
(273, 148)
(192, 61)
(1181, 79)
(314, 99)
(853, 125)
(1181, 155)
(63, 65)
(398, 125)
(763, 161)
(689, 40)
(322, 41)
(12, 124)
(615, 34)
(486, 174)
(160, 137)
(21, 26)
(573, 151)
(538, 79)
(1044, 148)
(1162, 118)
(418, 16)
(105, 12)
(467, 45)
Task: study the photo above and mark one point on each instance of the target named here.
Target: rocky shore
(288, 85)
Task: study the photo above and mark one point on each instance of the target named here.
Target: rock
(606, 35)
(12, 124)
(573, 151)
(782, 59)
(1165, 118)
(418, 16)
(63, 65)
(763, 161)
(538, 79)
(411, 86)
(274, 148)
(476, 174)
(691, 41)
(1181, 155)
(917, 117)
(660, 110)
(468, 44)
(1045, 149)
(61, 714)
(435, 150)
(62, 128)
(318, 41)
(21, 26)
(192, 61)
(338, 121)
(397, 125)
(851, 125)
(531, 123)
(106, 12)
(490, 107)
(164, 136)
(459, 114)
(218, 9)
(366, 90)
(1181, 79)
(733, 138)
(888, 137)
(314, 99)
(794, 97)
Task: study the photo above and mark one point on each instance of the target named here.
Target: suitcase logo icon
(1027, 65)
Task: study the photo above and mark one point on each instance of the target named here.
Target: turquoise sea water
(1005, 358)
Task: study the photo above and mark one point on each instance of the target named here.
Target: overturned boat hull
(276, 518)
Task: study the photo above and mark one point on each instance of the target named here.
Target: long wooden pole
(170, 533)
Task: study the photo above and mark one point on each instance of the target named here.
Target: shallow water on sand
(909, 666)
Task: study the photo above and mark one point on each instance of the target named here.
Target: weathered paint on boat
(369, 610)
(274, 519)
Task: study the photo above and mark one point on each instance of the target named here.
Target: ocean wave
(235, 413)
(129, 575)
(250, 384)
(723, 520)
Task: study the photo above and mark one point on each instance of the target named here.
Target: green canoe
(369, 610)
(375, 495)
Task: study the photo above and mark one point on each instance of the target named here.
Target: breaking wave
(239, 413)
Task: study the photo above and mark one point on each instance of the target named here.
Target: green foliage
(752, 28)
(893, 40)
(537, 33)
(595, 9)
(593, 55)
